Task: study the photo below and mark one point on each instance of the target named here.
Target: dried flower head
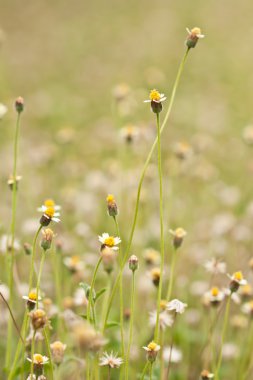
(39, 319)
(151, 256)
(109, 241)
(178, 236)
(152, 350)
(193, 36)
(156, 99)
(57, 349)
(111, 360)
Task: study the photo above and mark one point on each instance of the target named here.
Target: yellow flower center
(196, 31)
(75, 260)
(38, 359)
(50, 211)
(156, 273)
(110, 241)
(152, 346)
(32, 296)
(163, 304)
(110, 198)
(238, 276)
(215, 291)
(49, 203)
(154, 95)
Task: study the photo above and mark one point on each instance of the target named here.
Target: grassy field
(84, 70)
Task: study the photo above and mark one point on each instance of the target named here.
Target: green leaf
(86, 288)
(99, 293)
(112, 324)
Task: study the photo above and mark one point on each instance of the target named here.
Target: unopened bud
(47, 238)
(39, 319)
(133, 263)
(19, 104)
(178, 236)
(111, 205)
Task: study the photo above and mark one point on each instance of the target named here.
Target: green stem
(12, 230)
(130, 327)
(109, 373)
(105, 301)
(121, 295)
(172, 270)
(144, 370)
(224, 330)
(159, 156)
(32, 354)
(49, 354)
(33, 257)
(91, 290)
(172, 98)
(39, 276)
(151, 371)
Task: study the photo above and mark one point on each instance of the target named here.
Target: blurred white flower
(111, 360)
(215, 266)
(3, 110)
(174, 355)
(165, 319)
(177, 306)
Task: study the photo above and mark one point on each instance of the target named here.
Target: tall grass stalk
(130, 338)
(172, 270)
(172, 98)
(11, 253)
(159, 158)
(39, 276)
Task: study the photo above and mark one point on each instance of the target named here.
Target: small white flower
(48, 203)
(32, 297)
(165, 319)
(39, 359)
(247, 308)
(109, 241)
(174, 355)
(215, 267)
(156, 97)
(196, 32)
(214, 295)
(177, 306)
(152, 347)
(238, 278)
(3, 110)
(111, 360)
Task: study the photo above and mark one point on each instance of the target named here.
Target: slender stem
(91, 289)
(172, 270)
(150, 371)
(172, 98)
(49, 354)
(121, 295)
(33, 257)
(171, 348)
(130, 327)
(224, 330)
(109, 373)
(12, 317)
(39, 276)
(107, 295)
(32, 354)
(161, 354)
(12, 230)
(159, 297)
(144, 370)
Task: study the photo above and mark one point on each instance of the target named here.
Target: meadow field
(126, 176)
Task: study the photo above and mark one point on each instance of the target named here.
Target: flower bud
(38, 319)
(47, 238)
(58, 349)
(156, 107)
(19, 104)
(133, 263)
(111, 205)
(178, 236)
(193, 36)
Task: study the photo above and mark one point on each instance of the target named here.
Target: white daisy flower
(214, 296)
(48, 203)
(177, 306)
(109, 241)
(195, 32)
(110, 360)
(155, 96)
(165, 319)
(215, 266)
(238, 278)
(39, 359)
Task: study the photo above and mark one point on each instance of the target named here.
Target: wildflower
(48, 203)
(215, 266)
(151, 256)
(19, 104)
(156, 99)
(58, 349)
(245, 292)
(111, 360)
(236, 281)
(193, 36)
(129, 133)
(133, 263)
(38, 362)
(31, 300)
(177, 306)
(155, 274)
(109, 241)
(3, 110)
(165, 319)
(214, 296)
(205, 375)
(47, 238)
(173, 355)
(49, 214)
(108, 258)
(152, 351)
(111, 205)
(74, 263)
(247, 308)
(178, 236)
(11, 181)
(39, 319)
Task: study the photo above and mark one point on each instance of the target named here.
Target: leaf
(99, 293)
(112, 324)
(86, 288)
